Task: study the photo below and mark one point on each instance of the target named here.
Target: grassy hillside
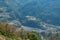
(8, 32)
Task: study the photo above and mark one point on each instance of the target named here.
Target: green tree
(34, 37)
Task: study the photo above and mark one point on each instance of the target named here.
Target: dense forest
(9, 32)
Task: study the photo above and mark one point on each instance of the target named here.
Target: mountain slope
(32, 13)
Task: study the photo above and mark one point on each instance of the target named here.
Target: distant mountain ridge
(34, 13)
